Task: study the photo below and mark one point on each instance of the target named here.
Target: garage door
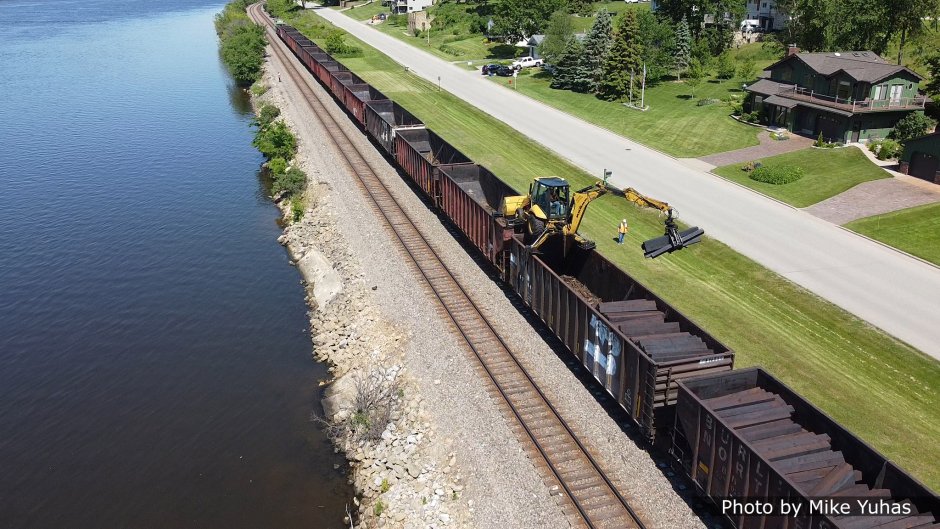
(831, 129)
(924, 166)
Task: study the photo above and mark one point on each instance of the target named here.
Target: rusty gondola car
(384, 118)
(420, 152)
(339, 81)
(746, 435)
(355, 97)
(663, 369)
(471, 197)
(634, 343)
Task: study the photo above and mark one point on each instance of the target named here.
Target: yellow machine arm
(632, 195)
(579, 204)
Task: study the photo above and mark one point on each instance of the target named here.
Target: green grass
(828, 172)
(365, 12)
(674, 124)
(915, 230)
(878, 387)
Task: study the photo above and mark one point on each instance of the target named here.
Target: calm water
(154, 365)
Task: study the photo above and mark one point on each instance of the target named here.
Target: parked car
(489, 69)
(504, 71)
(526, 62)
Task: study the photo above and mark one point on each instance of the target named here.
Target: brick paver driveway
(767, 147)
(874, 198)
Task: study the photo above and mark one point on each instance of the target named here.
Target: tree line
(241, 42)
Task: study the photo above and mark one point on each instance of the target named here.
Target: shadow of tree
(502, 51)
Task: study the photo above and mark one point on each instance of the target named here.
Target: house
(402, 7)
(846, 96)
(532, 44)
(921, 157)
(765, 12)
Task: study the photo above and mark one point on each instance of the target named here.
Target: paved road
(886, 288)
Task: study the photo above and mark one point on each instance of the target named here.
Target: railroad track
(596, 502)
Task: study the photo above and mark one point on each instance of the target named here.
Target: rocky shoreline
(399, 482)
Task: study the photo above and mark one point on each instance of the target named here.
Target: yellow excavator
(549, 210)
(673, 239)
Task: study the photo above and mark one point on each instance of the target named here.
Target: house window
(764, 5)
(910, 86)
(786, 74)
(880, 92)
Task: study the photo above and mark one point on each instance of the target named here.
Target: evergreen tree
(567, 67)
(683, 52)
(623, 59)
(596, 47)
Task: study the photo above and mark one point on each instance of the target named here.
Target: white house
(765, 11)
(410, 6)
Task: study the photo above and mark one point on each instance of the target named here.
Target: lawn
(366, 11)
(915, 230)
(878, 387)
(828, 172)
(673, 124)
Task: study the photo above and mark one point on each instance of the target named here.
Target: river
(155, 366)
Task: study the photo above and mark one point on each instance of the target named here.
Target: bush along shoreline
(241, 45)
(241, 42)
(279, 145)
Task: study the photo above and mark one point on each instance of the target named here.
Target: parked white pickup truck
(526, 62)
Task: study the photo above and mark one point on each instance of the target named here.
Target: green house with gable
(847, 96)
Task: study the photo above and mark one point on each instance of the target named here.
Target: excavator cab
(549, 198)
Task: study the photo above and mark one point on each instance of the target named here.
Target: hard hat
(625, 220)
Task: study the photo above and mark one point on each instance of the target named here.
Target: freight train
(736, 434)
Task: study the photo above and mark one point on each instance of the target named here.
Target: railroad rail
(596, 500)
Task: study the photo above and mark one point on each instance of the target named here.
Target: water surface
(155, 369)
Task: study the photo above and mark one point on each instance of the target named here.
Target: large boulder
(323, 282)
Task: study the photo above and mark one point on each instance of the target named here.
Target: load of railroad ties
(746, 440)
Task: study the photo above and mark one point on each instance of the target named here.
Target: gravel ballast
(468, 443)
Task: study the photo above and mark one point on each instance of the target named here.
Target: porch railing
(849, 104)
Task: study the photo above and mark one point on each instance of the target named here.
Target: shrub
(243, 51)
(277, 166)
(706, 102)
(750, 166)
(336, 43)
(297, 207)
(911, 126)
(776, 175)
(820, 141)
(885, 149)
(291, 182)
(276, 141)
(258, 89)
(266, 115)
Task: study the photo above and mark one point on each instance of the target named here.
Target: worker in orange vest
(622, 230)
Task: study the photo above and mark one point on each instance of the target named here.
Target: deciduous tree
(695, 75)
(726, 66)
(519, 19)
(558, 37)
(658, 40)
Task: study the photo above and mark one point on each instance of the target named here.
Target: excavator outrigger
(548, 210)
(673, 239)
